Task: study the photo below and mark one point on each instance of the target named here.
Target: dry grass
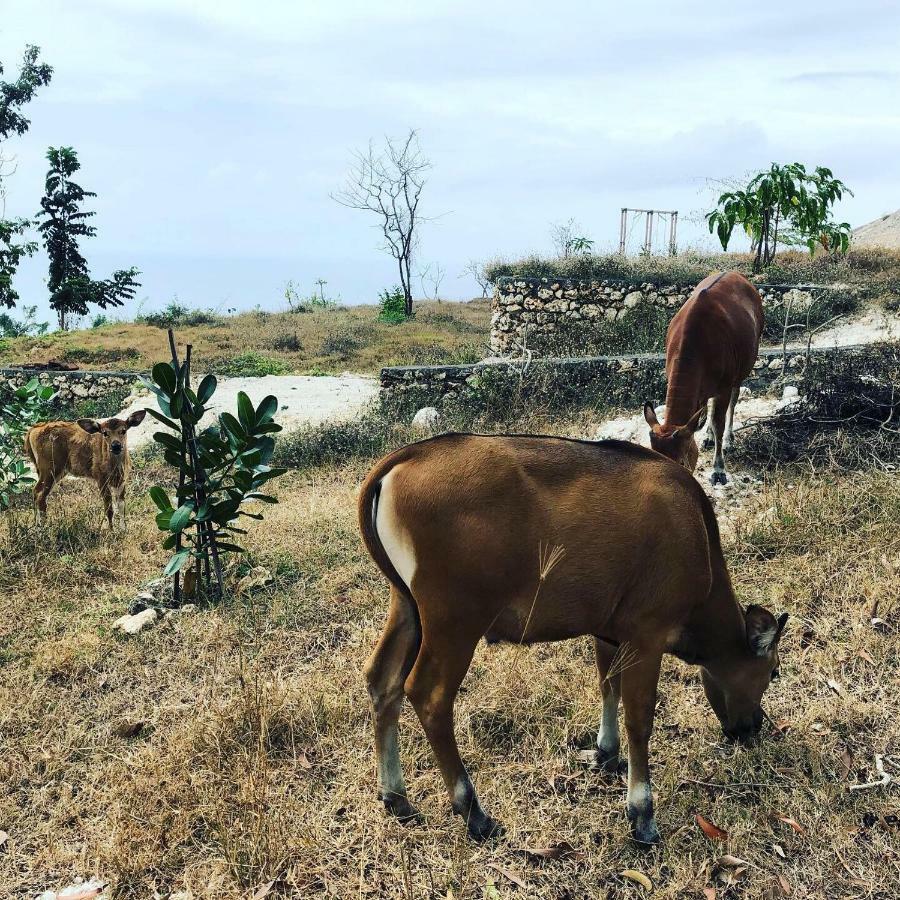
(320, 341)
(255, 761)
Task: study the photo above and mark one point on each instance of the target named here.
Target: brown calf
(88, 449)
(456, 522)
(711, 346)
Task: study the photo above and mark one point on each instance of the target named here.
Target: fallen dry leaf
(733, 862)
(837, 687)
(512, 876)
(303, 761)
(563, 850)
(784, 885)
(846, 759)
(4, 837)
(864, 654)
(792, 822)
(264, 890)
(709, 893)
(779, 850)
(638, 877)
(713, 832)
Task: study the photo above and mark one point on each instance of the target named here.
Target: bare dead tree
(388, 182)
(431, 276)
(563, 235)
(476, 270)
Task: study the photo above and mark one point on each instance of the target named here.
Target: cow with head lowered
(87, 449)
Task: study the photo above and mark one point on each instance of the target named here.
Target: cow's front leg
(709, 436)
(120, 508)
(107, 497)
(728, 440)
(639, 698)
(611, 690)
(720, 410)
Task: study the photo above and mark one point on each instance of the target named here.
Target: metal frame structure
(664, 217)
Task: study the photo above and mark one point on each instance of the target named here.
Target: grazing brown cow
(456, 524)
(711, 346)
(88, 449)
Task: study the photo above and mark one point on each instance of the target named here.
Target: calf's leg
(42, 490)
(106, 495)
(386, 670)
(639, 698)
(432, 686)
(611, 690)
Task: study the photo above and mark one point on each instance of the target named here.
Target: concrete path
(302, 400)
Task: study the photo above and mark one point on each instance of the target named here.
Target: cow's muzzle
(116, 447)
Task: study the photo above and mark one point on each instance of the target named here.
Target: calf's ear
(89, 425)
(650, 415)
(763, 629)
(136, 418)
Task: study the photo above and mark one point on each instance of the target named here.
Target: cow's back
(64, 448)
(718, 329)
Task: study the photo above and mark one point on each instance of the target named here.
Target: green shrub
(176, 314)
(638, 330)
(392, 306)
(287, 343)
(19, 410)
(251, 364)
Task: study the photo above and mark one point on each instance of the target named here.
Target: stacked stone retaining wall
(529, 311)
(71, 386)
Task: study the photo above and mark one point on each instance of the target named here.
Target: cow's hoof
(645, 834)
(398, 806)
(718, 478)
(484, 828)
(610, 763)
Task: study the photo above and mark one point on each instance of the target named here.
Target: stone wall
(530, 310)
(71, 386)
(616, 381)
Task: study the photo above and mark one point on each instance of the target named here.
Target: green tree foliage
(13, 248)
(787, 205)
(33, 74)
(27, 405)
(15, 94)
(64, 223)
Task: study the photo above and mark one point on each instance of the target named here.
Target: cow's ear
(763, 629)
(136, 418)
(89, 425)
(698, 420)
(650, 415)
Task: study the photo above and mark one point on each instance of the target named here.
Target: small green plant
(26, 406)
(219, 470)
(176, 314)
(392, 305)
(99, 321)
(253, 365)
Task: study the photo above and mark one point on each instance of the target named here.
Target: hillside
(321, 341)
(881, 232)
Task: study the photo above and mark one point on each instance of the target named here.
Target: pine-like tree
(64, 223)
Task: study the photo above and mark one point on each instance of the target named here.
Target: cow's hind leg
(42, 490)
(386, 671)
(639, 681)
(709, 436)
(611, 689)
(432, 687)
(108, 507)
(720, 410)
(729, 424)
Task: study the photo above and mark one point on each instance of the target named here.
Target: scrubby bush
(287, 342)
(251, 364)
(176, 314)
(19, 410)
(392, 305)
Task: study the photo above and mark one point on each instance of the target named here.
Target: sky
(214, 131)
